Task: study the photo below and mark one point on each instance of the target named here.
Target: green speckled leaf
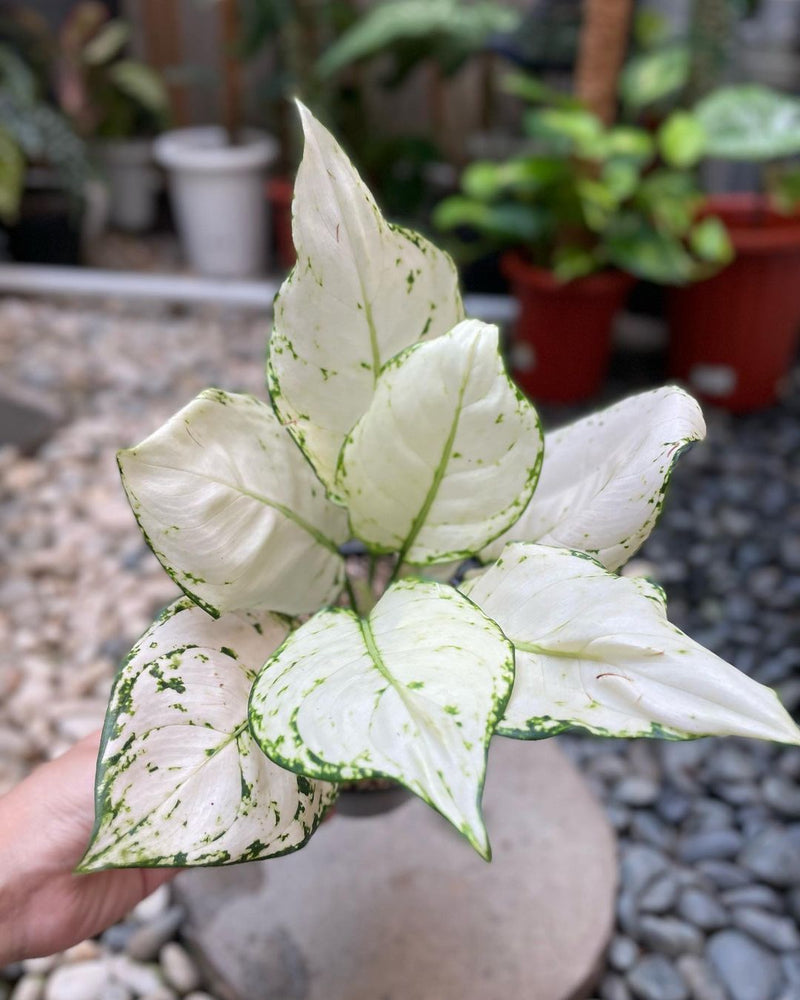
(595, 651)
(180, 780)
(749, 122)
(362, 290)
(411, 693)
(448, 454)
(603, 477)
(233, 511)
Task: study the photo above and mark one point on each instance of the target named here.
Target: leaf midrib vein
(266, 501)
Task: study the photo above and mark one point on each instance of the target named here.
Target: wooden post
(161, 25)
(601, 53)
(232, 70)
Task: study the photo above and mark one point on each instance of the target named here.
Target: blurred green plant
(581, 196)
(445, 33)
(106, 94)
(33, 133)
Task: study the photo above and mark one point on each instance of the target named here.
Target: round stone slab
(399, 907)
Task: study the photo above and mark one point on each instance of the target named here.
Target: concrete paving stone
(399, 906)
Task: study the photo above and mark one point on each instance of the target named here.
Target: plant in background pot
(278, 676)
(734, 336)
(582, 210)
(217, 176)
(44, 170)
(117, 102)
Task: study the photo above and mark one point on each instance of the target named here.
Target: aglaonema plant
(392, 420)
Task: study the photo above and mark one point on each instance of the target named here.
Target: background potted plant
(325, 52)
(117, 102)
(44, 170)
(733, 337)
(582, 210)
(216, 177)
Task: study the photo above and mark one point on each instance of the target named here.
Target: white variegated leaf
(412, 693)
(596, 651)
(448, 454)
(233, 511)
(604, 477)
(362, 290)
(180, 780)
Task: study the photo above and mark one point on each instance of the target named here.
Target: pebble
(748, 971)
(778, 933)
(759, 896)
(116, 991)
(656, 978)
(774, 857)
(640, 865)
(710, 845)
(670, 935)
(724, 874)
(622, 953)
(146, 942)
(660, 895)
(614, 988)
(29, 988)
(701, 909)
(152, 906)
(782, 795)
(78, 981)
(701, 980)
(178, 968)
(141, 979)
(636, 791)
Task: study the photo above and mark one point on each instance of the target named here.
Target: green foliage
(681, 139)
(749, 122)
(446, 32)
(581, 196)
(654, 77)
(33, 132)
(99, 88)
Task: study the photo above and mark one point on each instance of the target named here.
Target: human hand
(45, 826)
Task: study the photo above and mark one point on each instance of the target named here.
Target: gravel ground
(709, 831)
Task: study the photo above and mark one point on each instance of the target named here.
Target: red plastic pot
(562, 338)
(279, 195)
(733, 337)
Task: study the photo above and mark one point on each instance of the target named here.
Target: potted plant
(241, 710)
(582, 210)
(117, 102)
(733, 336)
(44, 172)
(216, 179)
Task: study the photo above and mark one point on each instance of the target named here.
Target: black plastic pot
(48, 230)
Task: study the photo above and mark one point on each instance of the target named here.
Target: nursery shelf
(33, 279)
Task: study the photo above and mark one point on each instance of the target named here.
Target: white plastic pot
(217, 193)
(132, 183)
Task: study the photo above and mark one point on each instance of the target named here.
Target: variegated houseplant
(393, 421)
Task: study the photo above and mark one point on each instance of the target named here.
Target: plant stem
(351, 594)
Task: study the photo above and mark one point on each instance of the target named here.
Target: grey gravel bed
(709, 831)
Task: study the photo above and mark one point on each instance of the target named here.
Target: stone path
(709, 831)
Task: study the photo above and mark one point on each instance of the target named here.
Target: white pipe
(36, 279)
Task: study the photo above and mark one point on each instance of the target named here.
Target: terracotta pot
(562, 338)
(279, 194)
(733, 337)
